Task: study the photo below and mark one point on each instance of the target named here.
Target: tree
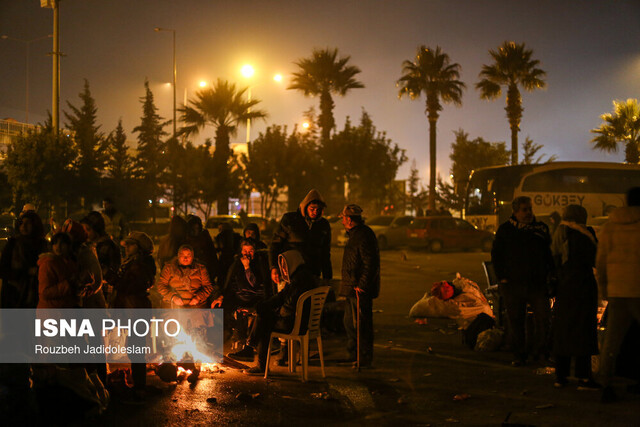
(512, 67)
(323, 74)
(432, 73)
(529, 151)
(119, 164)
(223, 107)
(621, 126)
(39, 168)
(150, 161)
(89, 145)
(364, 158)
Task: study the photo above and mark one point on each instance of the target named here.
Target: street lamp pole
(175, 74)
(28, 44)
(248, 71)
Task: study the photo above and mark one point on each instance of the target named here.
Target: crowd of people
(576, 271)
(92, 263)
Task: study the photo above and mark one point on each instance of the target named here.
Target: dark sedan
(438, 233)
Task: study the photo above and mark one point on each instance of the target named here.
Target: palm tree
(512, 67)
(324, 74)
(623, 125)
(432, 73)
(223, 107)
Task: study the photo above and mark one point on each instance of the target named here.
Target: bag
(481, 323)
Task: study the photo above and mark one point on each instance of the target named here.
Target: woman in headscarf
(575, 310)
(177, 236)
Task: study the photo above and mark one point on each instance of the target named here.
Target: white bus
(598, 186)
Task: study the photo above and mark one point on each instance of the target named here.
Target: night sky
(590, 50)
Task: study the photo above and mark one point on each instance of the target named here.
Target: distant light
(247, 70)
(237, 203)
(277, 77)
(168, 84)
(161, 201)
(305, 125)
(203, 84)
(150, 201)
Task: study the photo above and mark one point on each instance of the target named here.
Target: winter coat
(361, 261)
(205, 252)
(576, 306)
(185, 282)
(18, 270)
(521, 253)
(135, 277)
(238, 291)
(300, 280)
(618, 259)
(57, 285)
(228, 245)
(311, 237)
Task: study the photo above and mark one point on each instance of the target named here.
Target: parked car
(437, 233)
(338, 235)
(213, 222)
(391, 231)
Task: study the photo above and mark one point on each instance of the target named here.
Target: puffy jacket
(361, 261)
(521, 254)
(311, 237)
(185, 282)
(618, 258)
(57, 287)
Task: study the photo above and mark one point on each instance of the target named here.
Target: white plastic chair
(317, 297)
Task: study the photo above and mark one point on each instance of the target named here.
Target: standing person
(521, 257)
(575, 319)
(131, 288)
(360, 283)
(107, 251)
(115, 225)
(228, 246)
(177, 236)
(308, 232)
(87, 263)
(184, 281)
(618, 272)
(19, 262)
(252, 231)
(279, 311)
(204, 249)
(57, 278)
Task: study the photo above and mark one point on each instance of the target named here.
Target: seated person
(278, 312)
(247, 284)
(184, 281)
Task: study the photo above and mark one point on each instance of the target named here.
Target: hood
(252, 226)
(292, 259)
(625, 215)
(310, 197)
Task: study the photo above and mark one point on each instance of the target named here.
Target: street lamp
(175, 73)
(27, 43)
(248, 71)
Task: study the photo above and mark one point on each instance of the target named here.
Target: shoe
(256, 370)
(560, 382)
(588, 385)
(608, 395)
(246, 354)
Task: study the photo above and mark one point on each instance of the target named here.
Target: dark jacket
(205, 252)
(258, 242)
(135, 277)
(521, 253)
(311, 237)
(576, 307)
(361, 261)
(300, 280)
(238, 291)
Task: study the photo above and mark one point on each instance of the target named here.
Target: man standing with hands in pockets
(360, 284)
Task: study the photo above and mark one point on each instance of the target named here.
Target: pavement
(422, 375)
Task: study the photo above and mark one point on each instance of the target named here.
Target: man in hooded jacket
(308, 232)
(279, 311)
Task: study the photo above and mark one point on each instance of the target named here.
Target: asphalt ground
(422, 375)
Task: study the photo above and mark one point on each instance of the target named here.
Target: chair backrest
(317, 296)
(489, 273)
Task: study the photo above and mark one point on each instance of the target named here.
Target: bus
(597, 186)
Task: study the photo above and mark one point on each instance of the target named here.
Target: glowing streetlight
(277, 78)
(247, 71)
(203, 84)
(305, 125)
